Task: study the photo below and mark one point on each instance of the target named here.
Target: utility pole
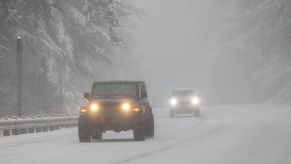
(62, 83)
(19, 65)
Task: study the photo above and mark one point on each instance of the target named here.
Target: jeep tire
(97, 136)
(84, 130)
(150, 127)
(139, 132)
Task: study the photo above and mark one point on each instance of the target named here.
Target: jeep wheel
(139, 133)
(150, 127)
(84, 131)
(97, 136)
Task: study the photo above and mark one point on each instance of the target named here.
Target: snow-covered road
(259, 134)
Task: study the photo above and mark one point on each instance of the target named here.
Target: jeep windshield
(183, 93)
(114, 89)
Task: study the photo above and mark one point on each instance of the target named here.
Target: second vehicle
(184, 101)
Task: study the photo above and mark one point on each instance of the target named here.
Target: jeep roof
(130, 88)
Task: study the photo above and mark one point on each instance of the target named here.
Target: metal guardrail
(34, 124)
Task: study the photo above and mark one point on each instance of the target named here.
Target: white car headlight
(173, 101)
(195, 100)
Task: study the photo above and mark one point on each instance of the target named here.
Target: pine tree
(62, 39)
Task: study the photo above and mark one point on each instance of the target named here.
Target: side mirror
(87, 95)
(144, 95)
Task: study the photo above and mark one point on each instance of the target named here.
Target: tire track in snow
(170, 123)
(85, 150)
(172, 145)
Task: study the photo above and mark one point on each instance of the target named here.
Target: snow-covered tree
(63, 41)
(267, 26)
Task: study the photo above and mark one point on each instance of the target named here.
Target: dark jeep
(117, 106)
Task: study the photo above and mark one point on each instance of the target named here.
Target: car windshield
(114, 89)
(183, 92)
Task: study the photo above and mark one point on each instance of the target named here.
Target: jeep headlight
(195, 100)
(94, 107)
(125, 106)
(173, 101)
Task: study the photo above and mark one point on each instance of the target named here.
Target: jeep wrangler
(117, 106)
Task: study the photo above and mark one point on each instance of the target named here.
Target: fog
(229, 51)
(215, 47)
(172, 37)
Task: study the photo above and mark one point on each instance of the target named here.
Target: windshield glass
(183, 93)
(114, 89)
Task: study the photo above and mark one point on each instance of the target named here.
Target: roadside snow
(258, 134)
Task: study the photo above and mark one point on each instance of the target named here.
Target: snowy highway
(117, 64)
(227, 135)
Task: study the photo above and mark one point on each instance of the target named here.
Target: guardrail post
(44, 129)
(31, 130)
(26, 130)
(7, 132)
(51, 128)
(14, 132)
(38, 129)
